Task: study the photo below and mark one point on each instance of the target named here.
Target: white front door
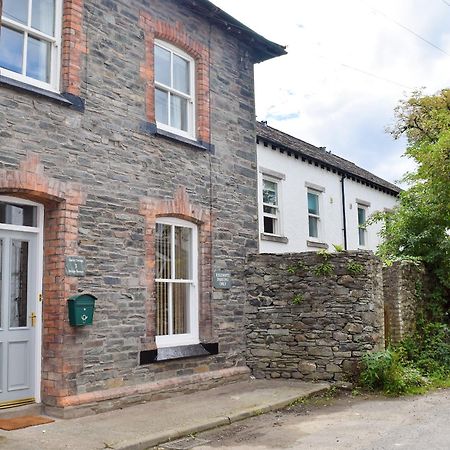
(18, 316)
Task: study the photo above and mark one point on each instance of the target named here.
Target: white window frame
(190, 133)
(55, 53)
(318, 193)
(173, 340)
(277, 215)
(365, 208)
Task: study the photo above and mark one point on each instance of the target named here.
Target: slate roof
(262, 47)
(319, 155)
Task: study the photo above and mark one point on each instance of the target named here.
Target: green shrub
(429, 349)
(384, 371)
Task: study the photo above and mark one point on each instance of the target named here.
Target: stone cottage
(128, 173)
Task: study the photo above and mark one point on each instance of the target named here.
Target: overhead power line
(446, 2)
(373, 75)
(404, 27)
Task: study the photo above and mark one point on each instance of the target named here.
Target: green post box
(81, 309)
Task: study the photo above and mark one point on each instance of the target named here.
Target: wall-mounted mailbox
(81, 309)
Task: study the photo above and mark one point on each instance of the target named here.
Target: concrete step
(33, 409)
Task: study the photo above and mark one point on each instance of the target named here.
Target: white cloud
(318, 91)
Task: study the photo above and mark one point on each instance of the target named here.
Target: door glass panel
(23, 215)
(19, 284)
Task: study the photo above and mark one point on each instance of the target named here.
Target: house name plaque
(222, 279)
(75, 266)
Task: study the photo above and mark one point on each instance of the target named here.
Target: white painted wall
(294, 175)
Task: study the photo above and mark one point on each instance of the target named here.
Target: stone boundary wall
(403, 284)
(305, 324)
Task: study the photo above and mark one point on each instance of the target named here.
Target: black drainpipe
(343, 211)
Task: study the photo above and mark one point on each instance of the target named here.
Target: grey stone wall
(104, 149)
(403, 285)
(307, 325)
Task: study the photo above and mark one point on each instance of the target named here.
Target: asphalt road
(421, 422)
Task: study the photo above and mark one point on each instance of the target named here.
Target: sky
(349, 63)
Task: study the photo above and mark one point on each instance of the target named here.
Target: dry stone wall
(312, 316)
(404, 282)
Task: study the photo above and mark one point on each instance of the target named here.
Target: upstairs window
(174, 90)
(30, 39)
(271, 208)
(362, 230)
(313, 214)
(176, 283)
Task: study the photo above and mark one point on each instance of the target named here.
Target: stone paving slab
(145, 425)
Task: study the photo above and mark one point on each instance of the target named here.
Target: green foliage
(419, 362)
(338, 248)
(420, 226)
(298, 298)
(429, 349)
(324, 254)
(385, 371)
(355, 268)
(323, 270)
(299, 266)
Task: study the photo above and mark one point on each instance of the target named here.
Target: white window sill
(274, 238)
(316, 244)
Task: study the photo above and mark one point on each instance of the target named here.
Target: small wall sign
(222, 279)
(75, 266)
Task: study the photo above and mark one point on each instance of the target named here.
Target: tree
(420, 226)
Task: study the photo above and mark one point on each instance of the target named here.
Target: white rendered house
(310, 199)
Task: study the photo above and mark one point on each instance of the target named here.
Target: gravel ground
(343, 422)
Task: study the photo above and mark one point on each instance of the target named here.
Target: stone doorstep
(110, 399)
(34, 409)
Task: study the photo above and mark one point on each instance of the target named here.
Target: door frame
(37, 294)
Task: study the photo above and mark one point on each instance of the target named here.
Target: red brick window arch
(41, 43)
(182, 48)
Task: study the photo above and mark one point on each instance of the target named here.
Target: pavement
(145, 425)
(345, 422)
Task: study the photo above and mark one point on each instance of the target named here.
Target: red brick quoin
(62, 357)
(73, 46)
(176, 35)
(182, 208)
